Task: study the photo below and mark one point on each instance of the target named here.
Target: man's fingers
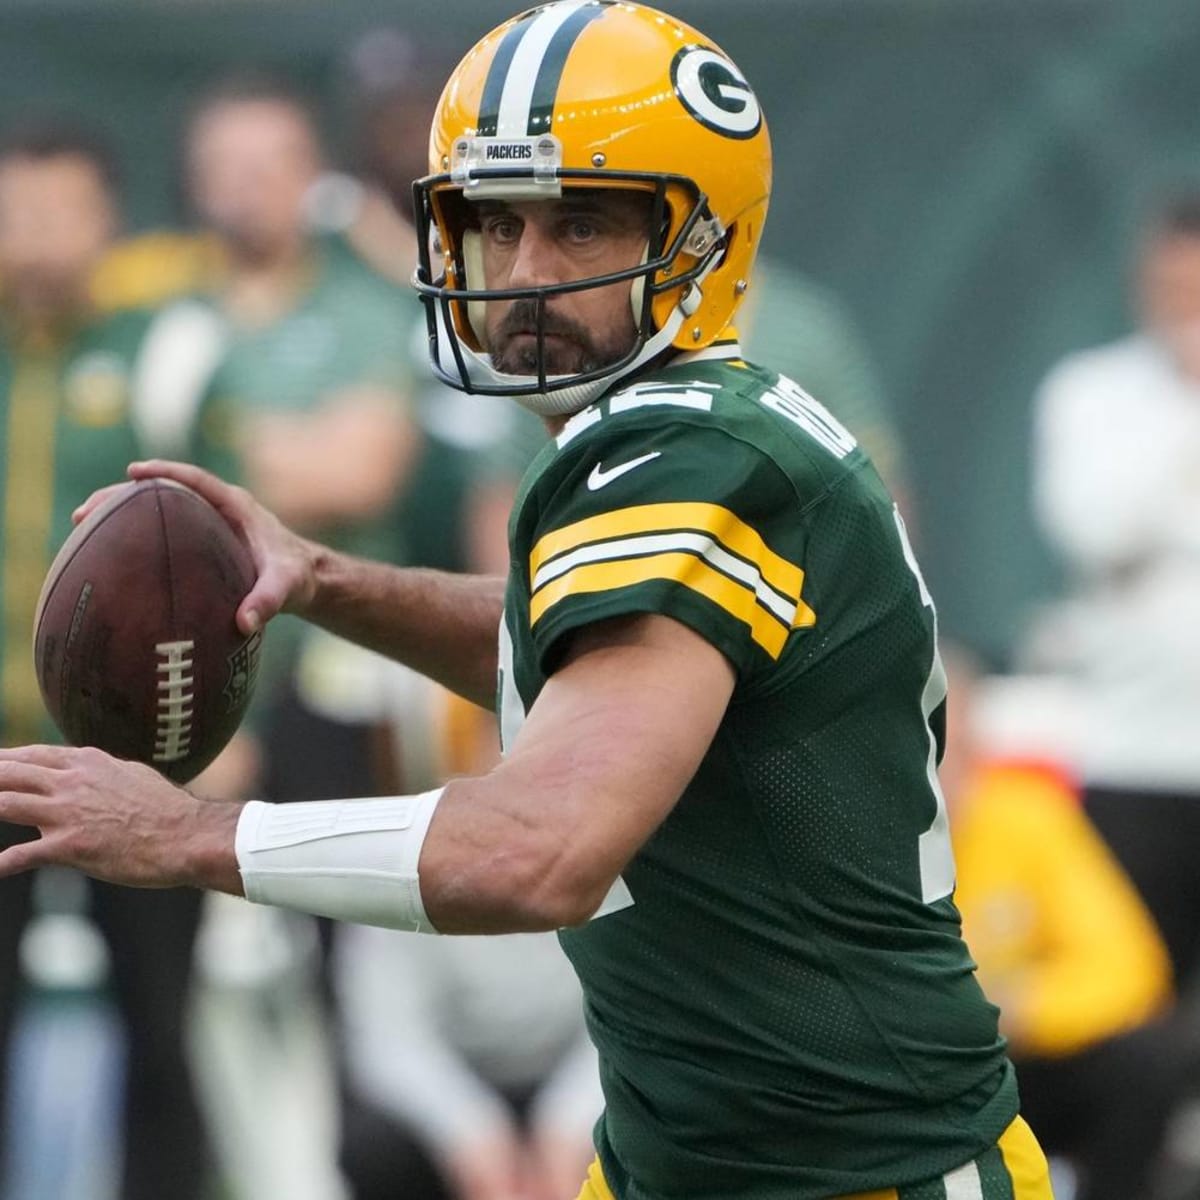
(25, 856)
(24, 808)
(95, 500)
(186, 473)
(266, 599)
(42, 758)
(284, 574)
(235, 504)
(216, 491)
(30, 779)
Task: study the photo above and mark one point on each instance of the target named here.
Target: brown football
(135, 642)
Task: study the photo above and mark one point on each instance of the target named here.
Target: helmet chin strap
(566, 400)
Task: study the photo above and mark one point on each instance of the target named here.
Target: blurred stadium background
(968, 176)
(965, 173)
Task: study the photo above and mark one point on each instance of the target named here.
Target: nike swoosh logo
(601, 478)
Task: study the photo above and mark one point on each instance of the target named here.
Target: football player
(719, 688)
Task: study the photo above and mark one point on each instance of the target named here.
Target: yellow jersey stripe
(676, 567)
(28, 513)
(725, 526)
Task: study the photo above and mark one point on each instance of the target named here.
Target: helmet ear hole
(727, 242)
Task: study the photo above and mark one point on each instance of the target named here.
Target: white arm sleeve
(352, 860)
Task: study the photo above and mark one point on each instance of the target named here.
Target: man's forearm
(445, 626)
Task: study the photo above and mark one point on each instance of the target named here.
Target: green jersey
(347, 330)
(782, 1001)
(65, 431)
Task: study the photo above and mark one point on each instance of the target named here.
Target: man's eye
(502, 229)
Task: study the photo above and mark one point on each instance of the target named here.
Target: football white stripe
(513, 117)
(660, 543)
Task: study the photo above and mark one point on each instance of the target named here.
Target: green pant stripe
(997, 1182)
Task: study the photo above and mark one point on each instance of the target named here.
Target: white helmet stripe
(517, 97)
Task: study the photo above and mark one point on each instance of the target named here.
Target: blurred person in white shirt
(467, 1067)
(477, 1047)
(1117, 491)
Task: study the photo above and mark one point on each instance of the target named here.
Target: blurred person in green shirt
(804, 331)
(66, 372)
(290, 373)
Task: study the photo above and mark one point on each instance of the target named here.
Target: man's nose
(535, 259)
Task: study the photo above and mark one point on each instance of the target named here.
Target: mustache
(523, 318)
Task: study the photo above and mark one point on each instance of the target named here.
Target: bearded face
(583, 235)
(569, 346)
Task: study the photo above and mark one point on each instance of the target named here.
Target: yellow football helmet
(594, 94)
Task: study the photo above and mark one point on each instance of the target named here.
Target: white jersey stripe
(695, 543)
(964, 1184)
(515, 100)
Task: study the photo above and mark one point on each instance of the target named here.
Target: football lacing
(173, 729)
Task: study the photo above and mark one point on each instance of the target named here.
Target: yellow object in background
(153, 268)
(1063, 942)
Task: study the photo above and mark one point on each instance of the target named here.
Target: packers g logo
(715, 92)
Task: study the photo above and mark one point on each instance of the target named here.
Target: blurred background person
(66, 373)
(290, 370)
(304, 398)
(804, 330)
(1063, 942)
(474, 449)
(1117, 489)
(469, 1071)
(388, 85)
(477, 1051)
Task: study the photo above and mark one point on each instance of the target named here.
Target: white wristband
(353, 860)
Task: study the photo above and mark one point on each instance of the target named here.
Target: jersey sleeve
(672, 518)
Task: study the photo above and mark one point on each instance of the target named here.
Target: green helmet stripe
(545, 89)
(493, 86)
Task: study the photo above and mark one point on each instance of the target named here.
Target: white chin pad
(472, 253)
